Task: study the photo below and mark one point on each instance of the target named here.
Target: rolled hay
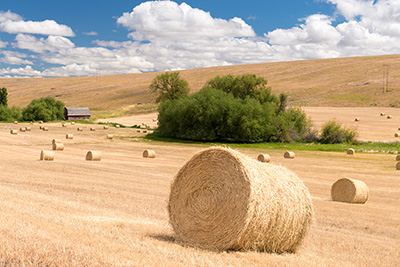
(138, 130)
(357, 119)
(264, 158)
(45, 129)
(31, 123)
(398, 158)
(149, 154)
(58, 146)
(396, 134)
(72, 123)
(69, 136)
(117, 126)
(79, 129)
(389, 117)
(350, 151)
(15, 122)
(383, 114)
(289, 155)
(28, 128)
(110, 136)
(92, 129)
(144, 131)
(56, 141)
(46, 155)
(13, 132)
(398, 166)
(105, 127)
(350, 191)
(64, 125)
(22, 129)
(93, 156)
(223, 200)
(40, 122)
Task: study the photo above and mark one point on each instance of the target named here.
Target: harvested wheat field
(114, 212)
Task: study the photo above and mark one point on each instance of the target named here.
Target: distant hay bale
(144, 131)
(350, 151)
(138, 130)
(264, 158)
(398, 157)
(15, 122)
(69, 136)
(56, 141)
(149, 153)
(289, 155)
(117, 126)
(398, 166)
(31, 123)
(58, 146)
(389, 117)
(383, 114)
(223, 200)
(72, 123)
(40, 122)
(92, 129)
(350, 191)
(28, 128)
(93, 156)
(154, 120)
(13, 132)
(396, 134)
(79, 129)
(357, 119)
(46, 155)
(105, 127)
(41, 127)
(110, 136)
(22, 129)
(64, 125)
(45, 129)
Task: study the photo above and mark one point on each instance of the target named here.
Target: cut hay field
(353, 82)
(72, 212)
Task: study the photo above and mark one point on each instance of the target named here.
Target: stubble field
(72, 212)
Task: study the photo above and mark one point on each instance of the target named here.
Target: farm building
(76, 113)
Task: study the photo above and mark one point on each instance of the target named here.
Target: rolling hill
(356, 81)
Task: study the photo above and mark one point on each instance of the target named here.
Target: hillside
(356, 81)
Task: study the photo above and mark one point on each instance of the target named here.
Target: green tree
(169, 86)
(45, 109)
(3, 96)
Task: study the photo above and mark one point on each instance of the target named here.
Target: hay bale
(350, 151)
(264, 158)
(110, 136)
(56, 141)
(45, 129)
(15, 122)
(31, 123)
(13, 132)
(398, 158)
(223, 200)
(69, 136)
(105, 127)
(117, 126)
(144, 131)
(22, 129)
(383, 114)
(46, 155)
(149, 153)
(389, 117)
(79, 129)
(398, 166)
(289, 155)
(138, 130)
(396, 134)
(350, 191)
(64, 125)
(28, 128)
(72, 123)
(357, 119)
(92, 129)
(58, 146)
(93, 156)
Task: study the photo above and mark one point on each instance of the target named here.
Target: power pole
(385, 78)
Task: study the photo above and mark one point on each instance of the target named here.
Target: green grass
(361, 147)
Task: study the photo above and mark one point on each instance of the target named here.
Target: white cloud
(26, 71)
(168, 20)
(3, 44)
(91, 33)
(14, 58)
(13, 23)
(40, 45)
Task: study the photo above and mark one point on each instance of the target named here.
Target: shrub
(333, 133)
(10, 114)
(45, 109)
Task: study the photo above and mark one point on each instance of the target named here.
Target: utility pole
(385, 78)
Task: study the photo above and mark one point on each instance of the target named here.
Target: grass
(359, 147)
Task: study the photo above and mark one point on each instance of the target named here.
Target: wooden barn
(76, 113)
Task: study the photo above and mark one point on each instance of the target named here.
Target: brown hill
(356, 81)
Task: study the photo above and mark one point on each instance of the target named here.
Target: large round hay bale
(92, 129)
(72, 123)
(28, 128)
(350, 191)
(289, 155)
(117, 126)
(22, 129)
(40, 122)
(396, 134)
(264, 158)
(221, 200)
(56, 141)
(45, 129)
(31, 123)
(93, 156)
(46, 155)
(58, 146)
(383, 114)
(350, 151)
(15, 122)
(398, 166)
(79, 129)
(110, 136)
(105, 127)
(389, 116)
(398, 157)
(149, 153)
(13, 132)
(69, 136)
(357, 119)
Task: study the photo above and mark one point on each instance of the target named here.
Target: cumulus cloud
(14, 58)
(40, 45)
(13, 23)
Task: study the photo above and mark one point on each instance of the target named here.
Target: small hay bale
(138, 130)
(22, 129)
(69, 136)
(110, 136)
(105, 127)
(350, 151)
(79, 129)
(58, 146)
(56, 141)
(357, 119)
(92, 129)
(45, 129)
(350, 191)
(40, 122)
(223, 200)
(398, 166)
(93, 156)
(383, 114)
(149, 153)
(396, 134)
(144, 131)
(289, 155)
(31, 123)
(72, 123)
(264, 158)
(389, 117)
(46, 155)
(28, 128)
(15, 122)
(13, 132)
(64, 125)
(154, 120)
(398, 158)
(117, 126)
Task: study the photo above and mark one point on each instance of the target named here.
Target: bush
(169, 86)
(333, 133)
(44, 109)
(10, 114)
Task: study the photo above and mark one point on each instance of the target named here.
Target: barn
(76, 113)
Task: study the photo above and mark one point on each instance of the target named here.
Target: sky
(47, 38)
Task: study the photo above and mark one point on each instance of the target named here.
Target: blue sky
(78, 38)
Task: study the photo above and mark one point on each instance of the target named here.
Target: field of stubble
(72, 212)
